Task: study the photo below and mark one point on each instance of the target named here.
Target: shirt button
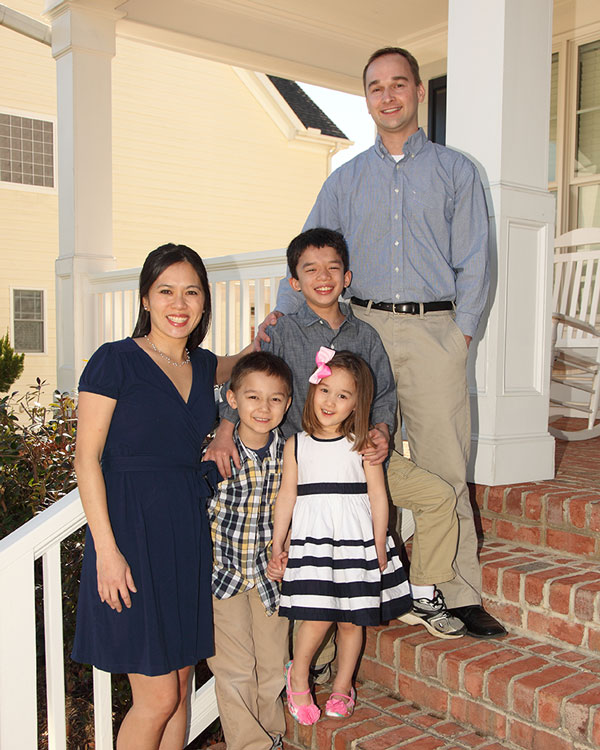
(321, 322)
(396, 269)
(395, 216)
(396, 190)
(397, 296)
(396, 243)
(412, 156)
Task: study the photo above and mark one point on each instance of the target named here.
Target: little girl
(342, 565)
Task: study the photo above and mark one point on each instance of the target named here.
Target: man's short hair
(414, 65)
(264, 362)
(318, 237)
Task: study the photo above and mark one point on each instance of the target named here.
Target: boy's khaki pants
(251, 651)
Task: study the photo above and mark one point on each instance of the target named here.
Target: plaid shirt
(241, 524)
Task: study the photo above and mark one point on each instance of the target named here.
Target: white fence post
(18, 689)
(53, 636)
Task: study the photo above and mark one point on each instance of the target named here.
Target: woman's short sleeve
(103, 374)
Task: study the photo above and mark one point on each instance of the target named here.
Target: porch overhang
(323, 43)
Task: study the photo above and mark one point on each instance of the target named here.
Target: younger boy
(251, 641)
(318, 264)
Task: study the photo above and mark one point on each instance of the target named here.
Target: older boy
(318, 264)
(251, 642)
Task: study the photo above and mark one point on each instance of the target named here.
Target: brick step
(517, 691)
(561, 515)
(542, 594)
(382, 721)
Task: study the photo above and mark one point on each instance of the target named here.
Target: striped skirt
(332, 572)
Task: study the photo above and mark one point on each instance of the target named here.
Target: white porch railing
(243, 289)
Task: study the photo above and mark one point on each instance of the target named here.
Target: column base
(511, 460)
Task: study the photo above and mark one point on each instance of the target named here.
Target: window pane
(28, 304)
(26, 150)
(588, 206)
(588, 110)
(29, 336)
(553, 118)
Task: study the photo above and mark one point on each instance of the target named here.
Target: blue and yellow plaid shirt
(241, 524)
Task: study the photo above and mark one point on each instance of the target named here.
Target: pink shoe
(340, 706)
(306, 715)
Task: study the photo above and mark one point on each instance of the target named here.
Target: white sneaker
(433, 615)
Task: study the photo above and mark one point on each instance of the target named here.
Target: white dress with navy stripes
(332, 572)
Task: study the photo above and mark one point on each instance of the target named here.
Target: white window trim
(567, 45)
(34, 188)
(20, 288)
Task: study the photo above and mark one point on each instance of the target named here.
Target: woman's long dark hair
(157, 262)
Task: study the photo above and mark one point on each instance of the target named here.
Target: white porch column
(498, 107)
(83, 44)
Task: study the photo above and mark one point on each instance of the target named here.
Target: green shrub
(11, 364)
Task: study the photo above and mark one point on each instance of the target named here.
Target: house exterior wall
(196, 160)
(28, 215)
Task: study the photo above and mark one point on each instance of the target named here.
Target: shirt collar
(413, 145)
(247, 454)
(308, 317)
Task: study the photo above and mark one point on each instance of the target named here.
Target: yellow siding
(29, 219)
(199, 161)
(196, 160)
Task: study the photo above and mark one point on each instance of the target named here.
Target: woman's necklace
(186, 361)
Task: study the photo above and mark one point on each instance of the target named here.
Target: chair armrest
(581, 325)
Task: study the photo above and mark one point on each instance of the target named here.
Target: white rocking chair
(576, 332)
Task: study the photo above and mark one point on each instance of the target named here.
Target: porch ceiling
(325, 43)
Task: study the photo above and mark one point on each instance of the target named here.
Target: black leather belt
(407, 308)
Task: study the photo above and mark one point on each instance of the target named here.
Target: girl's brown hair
(356, 425)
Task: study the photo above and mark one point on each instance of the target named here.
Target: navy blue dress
(156, 488)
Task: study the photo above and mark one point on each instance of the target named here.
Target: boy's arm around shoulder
(383, 409)
(385, 400)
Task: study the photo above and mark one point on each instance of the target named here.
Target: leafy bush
(11, 364)
(37, 445)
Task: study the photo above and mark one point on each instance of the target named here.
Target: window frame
(45, 118)
(567, 182)
(21, 288)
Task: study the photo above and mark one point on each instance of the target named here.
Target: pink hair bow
(323, 371)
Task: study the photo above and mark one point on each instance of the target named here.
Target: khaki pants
(428, 355)
(251, 650)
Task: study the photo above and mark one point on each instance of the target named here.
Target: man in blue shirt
(415, 219)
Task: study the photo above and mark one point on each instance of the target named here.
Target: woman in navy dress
(145, 406)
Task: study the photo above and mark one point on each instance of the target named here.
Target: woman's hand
(277, 565)
(114, 580)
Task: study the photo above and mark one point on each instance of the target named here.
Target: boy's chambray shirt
(296, 338)
(241, 524)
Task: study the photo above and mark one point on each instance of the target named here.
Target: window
(436, 105)
(28, 320)
(26, 151)
(587, 144)
(553, 119)
(574, 166)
